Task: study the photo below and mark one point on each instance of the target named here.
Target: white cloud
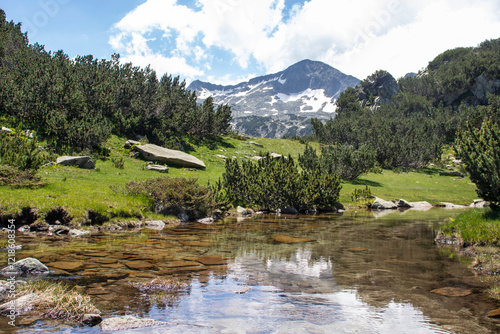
(357, 37)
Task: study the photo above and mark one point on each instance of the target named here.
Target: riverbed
(358, 272)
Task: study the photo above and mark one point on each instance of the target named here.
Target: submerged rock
(128, 322)
(289, 240)
(25, 267)
(67, 265)
(452, 292)
(211, 260)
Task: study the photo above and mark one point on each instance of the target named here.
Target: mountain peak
(308, 88)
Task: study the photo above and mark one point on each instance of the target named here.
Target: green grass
(102, 190)
(475, 227)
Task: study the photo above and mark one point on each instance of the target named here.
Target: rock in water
(157, 153)
(84, 162)
(452, 292)
(289, 240)
(128, 322)
(28, 266)
(383, 204)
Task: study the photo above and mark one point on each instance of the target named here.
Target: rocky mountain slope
(282, 103)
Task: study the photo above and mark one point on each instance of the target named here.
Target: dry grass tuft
(58, 301)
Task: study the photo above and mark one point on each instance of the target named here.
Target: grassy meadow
(102, 190)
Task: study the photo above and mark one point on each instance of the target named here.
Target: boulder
(157, 153)
(479, 203)
(275, 155)
(6, 129)
(85, 162)
(381, 204)
(129, 143)
(157, 168)
(128, 322)
(22, 305)
(25, 267)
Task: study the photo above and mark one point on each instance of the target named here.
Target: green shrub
(20, 152)
(174, 196)
(479, 149)
(343, 160)
(273, 184)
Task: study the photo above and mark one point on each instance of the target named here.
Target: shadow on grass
(492, 214)
(210, 143)
(363, 182)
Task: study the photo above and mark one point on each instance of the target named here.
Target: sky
(230, 41)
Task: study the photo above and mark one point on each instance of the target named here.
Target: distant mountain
(306, 89)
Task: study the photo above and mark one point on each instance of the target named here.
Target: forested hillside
(409, 126)
(75, 104)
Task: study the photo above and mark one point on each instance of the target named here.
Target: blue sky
(229, 41)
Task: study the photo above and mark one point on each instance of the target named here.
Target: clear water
(362, 273)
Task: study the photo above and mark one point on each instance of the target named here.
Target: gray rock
(128, 322)
(256, 144)
(160, 154)
(275, 155)
(450, 205)
(77, 233)
(129, 143)
(157, 168)
(25, 267)
(220, 156)
(402, 203)
(84, 162)
(244, 212)
(479, 203)
(381, 204)
(207, 220)
(154, 224)
(257, 158)
(420, 205)
(91, 319)
(20, 306)
(6, 129)
(382, 86)
(183, 217)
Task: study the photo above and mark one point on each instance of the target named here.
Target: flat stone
(180, 263)
(211, 260)
(400, 262)
(128, 322)
(452, 292)
(289, 240)
(494, 313)
(196, 243)
(157, 168)
(67, 266)
(242, 290)
(357, 249)
(140, 265)
(157, 153)
(85, 162)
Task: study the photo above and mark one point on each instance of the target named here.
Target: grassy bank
(102, 190)
(476, 235)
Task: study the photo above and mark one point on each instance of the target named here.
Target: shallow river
(361, 273)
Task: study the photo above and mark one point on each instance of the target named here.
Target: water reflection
(361, 273)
